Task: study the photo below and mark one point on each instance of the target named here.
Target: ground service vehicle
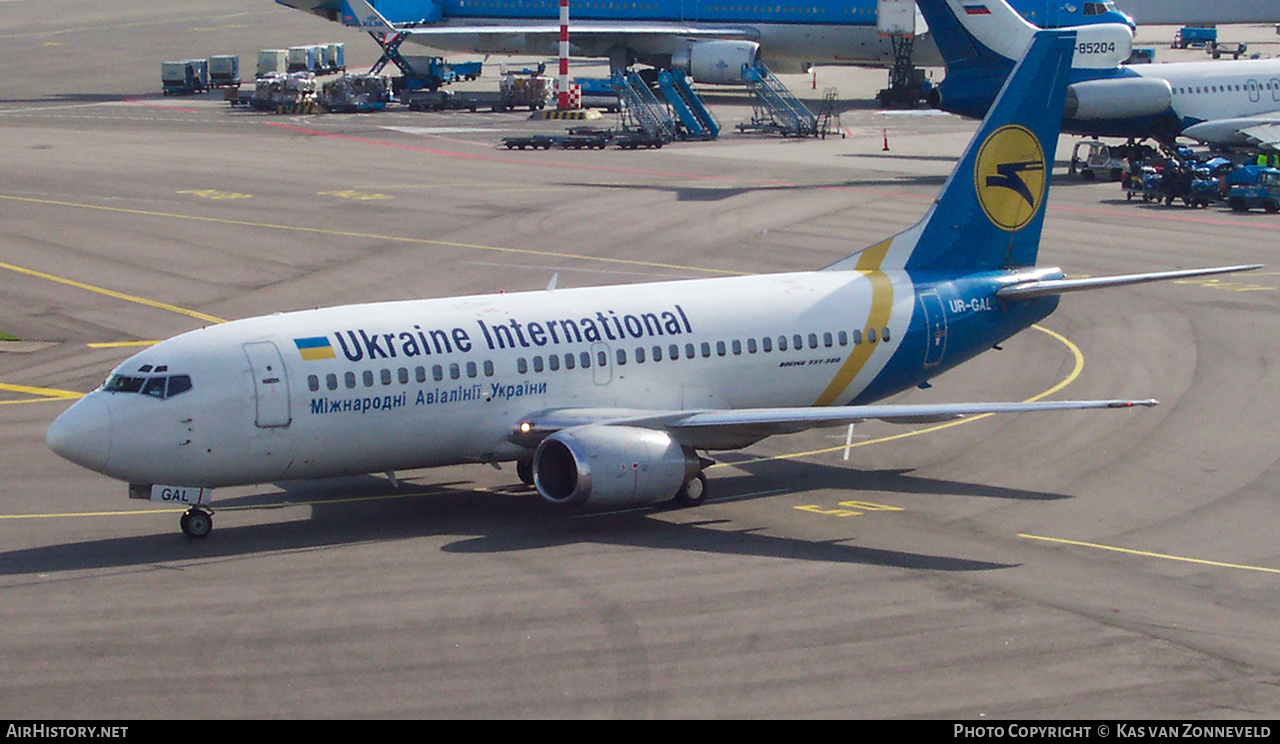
(1264, 194)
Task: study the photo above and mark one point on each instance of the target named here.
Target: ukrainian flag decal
(314, 348)
(1011, 176)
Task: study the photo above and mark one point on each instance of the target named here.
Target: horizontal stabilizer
(1043, 287)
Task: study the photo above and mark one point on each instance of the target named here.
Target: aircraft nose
(82, 434)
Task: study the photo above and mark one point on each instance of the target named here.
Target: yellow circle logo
(1010, 177)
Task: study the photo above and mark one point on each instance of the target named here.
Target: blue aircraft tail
(975, 66)
(991, 210)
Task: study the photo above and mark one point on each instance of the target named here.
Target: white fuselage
(1206, 91)
(431, 382)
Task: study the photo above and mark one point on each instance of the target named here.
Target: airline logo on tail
(1011, 175)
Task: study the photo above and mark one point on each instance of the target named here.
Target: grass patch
(6, 337)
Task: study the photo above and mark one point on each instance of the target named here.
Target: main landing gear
(693, 492)
(196, 522)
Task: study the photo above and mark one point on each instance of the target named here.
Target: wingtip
(1148, 403)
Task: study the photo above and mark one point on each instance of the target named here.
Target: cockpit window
(178, 384)
(124, 384)
(157, 387)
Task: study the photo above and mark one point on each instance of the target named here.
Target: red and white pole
(562, 99)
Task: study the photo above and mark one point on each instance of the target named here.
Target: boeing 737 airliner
(709, 39)
(606, 395)
(1225, 102)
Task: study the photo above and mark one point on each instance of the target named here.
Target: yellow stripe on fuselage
(878, 317)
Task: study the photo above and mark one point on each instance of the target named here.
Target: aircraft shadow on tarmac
(364, 509)
(720, 193)
(73, 98)
(815, 476)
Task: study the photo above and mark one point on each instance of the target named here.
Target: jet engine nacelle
(1117, 99)
(716, 62)
(611, 465)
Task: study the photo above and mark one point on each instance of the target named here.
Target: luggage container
(184, 78)
(317, 59)
(335, 58)
(302, 59)
(273, 61)
(224, 70)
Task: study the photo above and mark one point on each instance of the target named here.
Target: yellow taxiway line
(1076, 369)
(334, 233)
(1149, 554)
(109, 292)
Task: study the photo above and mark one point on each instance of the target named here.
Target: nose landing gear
(196, 522)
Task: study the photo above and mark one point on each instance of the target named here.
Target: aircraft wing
(601, 28)
(359, 13)
(1263, 134)
(1259, 131)
(734, 428)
